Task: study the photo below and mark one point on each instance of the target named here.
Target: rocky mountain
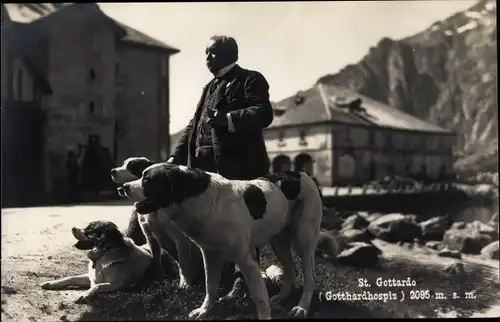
(446, 74)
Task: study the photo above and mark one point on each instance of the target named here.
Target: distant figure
(72, 171)
(91, 164)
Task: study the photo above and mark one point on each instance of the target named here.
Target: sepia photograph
(249, 160)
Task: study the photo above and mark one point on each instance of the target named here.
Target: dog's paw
(298, 311)
(82, 298)
(198, 313)
(47, 285)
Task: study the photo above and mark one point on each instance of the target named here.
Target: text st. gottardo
(392, 290)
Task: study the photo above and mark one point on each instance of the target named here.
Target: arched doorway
(282, 163)
(304, 162)
(347, 167)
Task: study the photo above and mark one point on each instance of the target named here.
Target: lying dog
(187, 255)
(115, 262)
(228, 219)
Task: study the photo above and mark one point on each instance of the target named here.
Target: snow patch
(473, 14)
(490, 6)
(469, 26)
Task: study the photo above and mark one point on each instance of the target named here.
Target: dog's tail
(328, 245)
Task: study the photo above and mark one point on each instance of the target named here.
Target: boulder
(355, 222)
(395, 228)
(445, 252)
(330, 221)
(349, 235)
(468, 240)
(456, 268)
(274, 273)
(494, 221)
(433, 244)
(485, 229)
(491, 251)
(373, 216)
(458, 225)
(434, 228)
(360, 255)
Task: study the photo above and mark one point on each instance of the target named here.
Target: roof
(323, 103)
(135, 36)
(308, 107)
(28, 13)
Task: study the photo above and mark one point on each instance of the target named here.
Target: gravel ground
(36, 246)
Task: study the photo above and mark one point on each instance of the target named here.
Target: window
(91, 107)
(302, 137)
(281, 138)
(19, 85)
(388, 142)
(91, 75)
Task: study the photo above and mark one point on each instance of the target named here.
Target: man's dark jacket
(240, 154)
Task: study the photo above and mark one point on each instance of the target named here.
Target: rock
(359, 254)
(485, 229)
(274, 273)
(445, 252)
(494, 220)
(395, 228)
(348, 235)
(458, 225)
(491, 251)
(434, 228)
(468, 240)
(330, 220)
(374, 216)
(433, 244)
(455, 268)
(355, 222)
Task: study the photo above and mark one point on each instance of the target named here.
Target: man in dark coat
(225, 133)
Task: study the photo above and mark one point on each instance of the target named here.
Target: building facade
(108, 84)
(349, 139)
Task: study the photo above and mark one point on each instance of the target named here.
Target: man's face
(215, 58)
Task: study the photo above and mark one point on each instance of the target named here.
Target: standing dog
(228, 219)
(176, 244)
(115, 262)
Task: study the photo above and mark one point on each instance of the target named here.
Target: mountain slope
(445, 74)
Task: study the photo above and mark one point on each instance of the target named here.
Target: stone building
(349, 138)
(71, 77)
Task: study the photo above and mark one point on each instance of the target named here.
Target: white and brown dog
(115, 262)
(187, 255)
(228, 219)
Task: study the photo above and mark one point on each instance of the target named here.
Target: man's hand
(217, 119)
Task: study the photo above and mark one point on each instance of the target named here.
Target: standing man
(225, 133)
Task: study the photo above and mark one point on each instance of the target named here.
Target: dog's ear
(157, 188)
(138, 165)
(112, 236)
(84, 244)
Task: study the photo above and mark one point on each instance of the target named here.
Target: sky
(291, 43)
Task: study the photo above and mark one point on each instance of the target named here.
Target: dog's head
(98, 235)
(131, 169)
(165, 184)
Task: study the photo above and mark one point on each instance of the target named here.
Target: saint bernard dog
(228, 219)
(186, 255)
